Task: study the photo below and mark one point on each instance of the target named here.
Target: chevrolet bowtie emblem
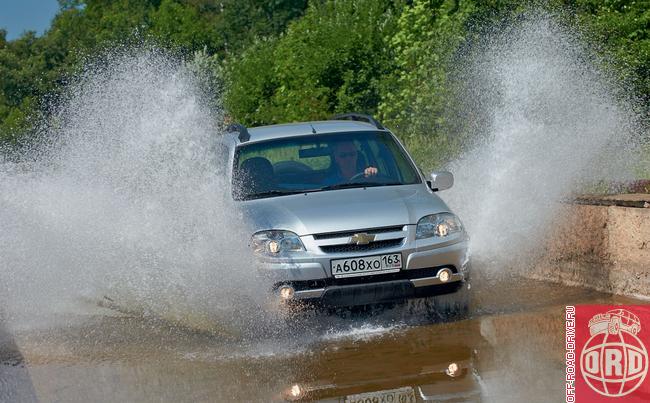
(361, 239)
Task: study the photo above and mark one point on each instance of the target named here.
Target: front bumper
(380, 291)
(309, 274)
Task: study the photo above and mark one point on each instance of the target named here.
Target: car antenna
(312, 129)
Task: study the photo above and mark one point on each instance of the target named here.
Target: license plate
(368, 265)
(401, 395)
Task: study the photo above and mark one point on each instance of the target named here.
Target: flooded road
(511, 349)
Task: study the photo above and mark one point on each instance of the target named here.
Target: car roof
(262, 133)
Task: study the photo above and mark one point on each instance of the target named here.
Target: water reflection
(417, 364)
(510, 351)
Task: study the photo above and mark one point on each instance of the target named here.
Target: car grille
(344, 234)
(344, 248)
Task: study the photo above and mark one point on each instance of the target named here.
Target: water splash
(365, 332)
(126, 199)
(549, 123)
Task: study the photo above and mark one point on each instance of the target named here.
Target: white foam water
(548, 123)
(124, 198)
(363, 332)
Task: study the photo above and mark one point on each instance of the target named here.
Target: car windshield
(320, 163)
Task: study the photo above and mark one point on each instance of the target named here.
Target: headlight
(438, 225)
(276, 243)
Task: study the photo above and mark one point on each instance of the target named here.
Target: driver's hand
(370, 171)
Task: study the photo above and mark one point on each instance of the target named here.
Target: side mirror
(441, 180)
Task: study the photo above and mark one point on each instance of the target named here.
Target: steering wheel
(362, 175)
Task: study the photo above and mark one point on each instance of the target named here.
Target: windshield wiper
(271, 193)
(357, 185)
(276, 192)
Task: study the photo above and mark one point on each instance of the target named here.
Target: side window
(314, 160)
(274, 155)
(378, 161)
(291, 155)
(385, 160)
(403, 165)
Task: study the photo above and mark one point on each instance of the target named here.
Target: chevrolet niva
(341, 216)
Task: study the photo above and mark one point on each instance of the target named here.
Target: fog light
(444, 275)
(295, 391)
(286, 292)
(452, 370)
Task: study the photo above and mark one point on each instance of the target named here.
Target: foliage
(34, 69)
(416, 92)
(623, 28)
(251, 83)
(287, 60)
(329, 61)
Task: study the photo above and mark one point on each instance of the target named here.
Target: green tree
(251, 84)
(34, 70)
(622, 28)
(389, 57)
(242, 22)
(329, 61)
(416, 94)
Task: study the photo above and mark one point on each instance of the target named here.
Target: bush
(331, 60)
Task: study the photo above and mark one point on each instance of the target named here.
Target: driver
(345, 163)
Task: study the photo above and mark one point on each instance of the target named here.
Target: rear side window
(277, 153)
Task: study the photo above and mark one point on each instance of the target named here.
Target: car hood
(343, 210)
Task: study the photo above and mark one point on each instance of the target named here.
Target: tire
(452, 306)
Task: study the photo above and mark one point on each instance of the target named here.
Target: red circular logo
(614, 361)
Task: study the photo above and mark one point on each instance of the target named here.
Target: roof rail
(244, 136)
(359, 117)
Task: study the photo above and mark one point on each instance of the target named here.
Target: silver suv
(341, 215)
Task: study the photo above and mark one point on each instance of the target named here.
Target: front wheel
(452, 306)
